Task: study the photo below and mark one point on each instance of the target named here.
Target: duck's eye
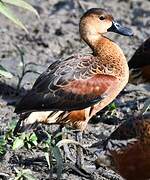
(101, 17)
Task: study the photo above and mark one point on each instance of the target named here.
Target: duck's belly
(76, 119)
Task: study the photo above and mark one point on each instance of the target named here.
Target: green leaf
(59, 161)
(23, 136)
(2, 145)
(29, 177)
(33, 138)
(4, 72)
(18, 143)
(2, 140)
(112, 106)
(10, 15)
(24, 174)
(27, 136)
(22, 4)
(34, 143)
(27, 173)
(13, 123)
(28, 145)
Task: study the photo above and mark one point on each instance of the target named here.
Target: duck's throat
(101, 45)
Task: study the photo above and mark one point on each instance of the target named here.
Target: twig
(81, 5)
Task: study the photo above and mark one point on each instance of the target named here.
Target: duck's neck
(109, 53)
(92, 41)
(100, 44)
(106, 49)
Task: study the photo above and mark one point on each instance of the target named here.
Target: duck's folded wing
(68, 85)
(141, 57)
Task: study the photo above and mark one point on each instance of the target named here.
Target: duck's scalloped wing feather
(73, 84)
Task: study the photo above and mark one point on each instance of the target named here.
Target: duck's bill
(118, 28)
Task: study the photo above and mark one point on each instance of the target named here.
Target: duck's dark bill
(118, 28)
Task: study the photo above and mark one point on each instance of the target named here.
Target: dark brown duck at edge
(127, 150)
(139, 64)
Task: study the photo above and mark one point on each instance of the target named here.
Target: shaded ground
(53, 36)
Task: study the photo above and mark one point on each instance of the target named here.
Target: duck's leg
(67, 154)
(79, 151)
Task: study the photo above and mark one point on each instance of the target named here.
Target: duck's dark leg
(67, 154)
(79, 153)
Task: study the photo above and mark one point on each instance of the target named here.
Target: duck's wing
(72, 84)
(141, 57)
(139, 64)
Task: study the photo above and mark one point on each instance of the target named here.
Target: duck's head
(96, 22)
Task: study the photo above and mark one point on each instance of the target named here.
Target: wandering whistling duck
(71, 91)
(139, 64)
(127, 150)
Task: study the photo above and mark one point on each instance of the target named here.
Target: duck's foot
(66, 151)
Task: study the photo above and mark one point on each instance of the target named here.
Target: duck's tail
(23, 124)
(30, 120)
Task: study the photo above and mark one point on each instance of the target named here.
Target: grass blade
(10, 15)
(22, 4)
(146, 106)
(5, 73)
(59, 161)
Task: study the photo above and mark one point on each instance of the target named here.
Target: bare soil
(55, 35)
